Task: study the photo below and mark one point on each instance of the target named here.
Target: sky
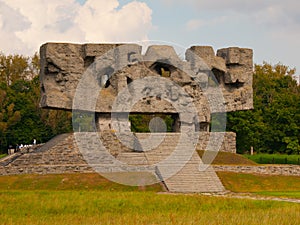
(270, 27)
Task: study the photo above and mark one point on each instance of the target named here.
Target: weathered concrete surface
(111, 69)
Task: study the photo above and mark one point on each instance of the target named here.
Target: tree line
(272, 126)
(21, 118)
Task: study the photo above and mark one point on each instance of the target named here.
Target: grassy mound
(227, 158)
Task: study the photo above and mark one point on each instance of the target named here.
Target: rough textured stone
(116, 79)
(240, 64)
(208, 55)
(117, 65)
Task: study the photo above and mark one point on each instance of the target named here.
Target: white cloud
(268, 12)
(195, 24)
(132, 22)
(25, 25)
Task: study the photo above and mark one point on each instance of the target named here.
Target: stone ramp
(61, 150)
(59, 155)
(9, 159)
(36, 155)
(53, 142)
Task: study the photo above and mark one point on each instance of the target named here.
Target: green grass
(89, 181)
(290, 194)
(255, 183)
(125, 207)
(274, 159)
(2, 155)
(226, 158)
(92, 199)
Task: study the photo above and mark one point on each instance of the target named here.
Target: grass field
(274, 159)
(91, 199)
(281, 194)
(2, 155)
(122, 207)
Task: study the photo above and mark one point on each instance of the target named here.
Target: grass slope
(88, 181)
(226, 158)
(284, 186)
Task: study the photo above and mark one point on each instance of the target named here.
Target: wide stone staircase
(170, 157)
(177, 165)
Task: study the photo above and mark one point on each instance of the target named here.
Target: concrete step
(189, 178)
(133, 158)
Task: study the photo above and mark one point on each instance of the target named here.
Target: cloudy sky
(270, 27)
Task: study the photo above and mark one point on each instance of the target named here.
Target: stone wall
(113, 144)
(286, 170)
(46, 169)
(228, 144)
(61, 155)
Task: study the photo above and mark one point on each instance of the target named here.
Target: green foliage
(274, 158)
(21, 118)
(84, 121)
(274, 124)
(140, 122)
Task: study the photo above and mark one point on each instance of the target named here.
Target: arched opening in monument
(154, 122)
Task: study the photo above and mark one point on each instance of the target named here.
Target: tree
(21, 118)
(273, 125)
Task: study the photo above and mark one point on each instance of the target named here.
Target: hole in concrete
(203, 127)
(219, 75)
(163, 69)
(107, 84)
(237, 84)
(88, 61)
(129, 80)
